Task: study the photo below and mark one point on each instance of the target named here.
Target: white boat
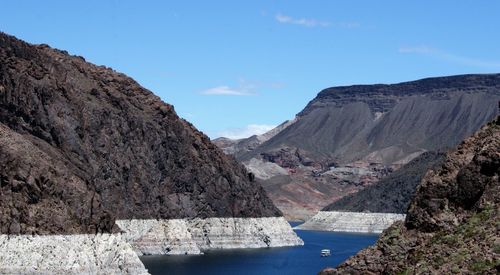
(325, 252)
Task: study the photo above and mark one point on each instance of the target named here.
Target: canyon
(97, 171)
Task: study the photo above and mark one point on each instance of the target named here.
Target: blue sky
(234, 68)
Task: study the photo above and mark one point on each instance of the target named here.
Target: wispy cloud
(226, 90)
(449, 57)
(301, 21)
(247, 131)
(311, 22)
(244, 88)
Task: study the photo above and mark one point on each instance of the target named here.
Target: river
(287, 260)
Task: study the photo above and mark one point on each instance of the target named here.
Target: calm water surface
(289, 260)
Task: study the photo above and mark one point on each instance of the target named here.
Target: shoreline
(119, 253)
(351, 222)
(193, 236)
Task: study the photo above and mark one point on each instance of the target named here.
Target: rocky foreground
(453, 223)
(82, 146)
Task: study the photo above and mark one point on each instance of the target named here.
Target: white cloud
(225, 90)
(301, 21)
(249, 130)
(244, 88)
(449, 57)
(285, 19)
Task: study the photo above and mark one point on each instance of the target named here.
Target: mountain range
(349, 137)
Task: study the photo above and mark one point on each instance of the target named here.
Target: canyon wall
(82, 146)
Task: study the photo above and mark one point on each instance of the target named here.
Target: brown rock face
(82, 145)
(453, 223)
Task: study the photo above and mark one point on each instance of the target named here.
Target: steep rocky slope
(392, 194)
(349, 137)
(82, 146)
(452, 224)
(109, 137)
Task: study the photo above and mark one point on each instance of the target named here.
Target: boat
(325, 252)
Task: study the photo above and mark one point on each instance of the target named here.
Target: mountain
(388, 123)
(452, 223)
(83, 146)
(349, 137)
(393, 193)
(113, 137)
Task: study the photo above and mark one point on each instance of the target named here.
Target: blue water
(289, 260)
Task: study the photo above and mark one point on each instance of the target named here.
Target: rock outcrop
(82, 146)
(452, 225)
(377, 128)
(351, 221)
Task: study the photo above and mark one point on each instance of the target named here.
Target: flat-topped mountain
(349, 137)
(388, 123)
(452, 223)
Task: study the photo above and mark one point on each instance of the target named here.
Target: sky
(237, 68)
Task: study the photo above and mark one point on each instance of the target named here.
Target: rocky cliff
(82, 146)
(452, 225)
(349, 137)
(110, 138)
